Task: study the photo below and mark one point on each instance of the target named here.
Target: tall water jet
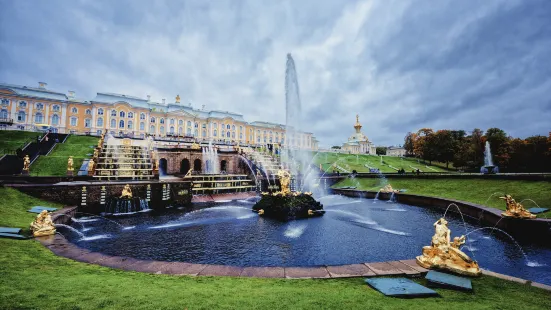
(210, 154)
(488, 155)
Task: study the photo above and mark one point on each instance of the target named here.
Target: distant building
(396, 151)
(358, 143)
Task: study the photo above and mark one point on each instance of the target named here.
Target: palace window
(4, 114)
(162, 120)
(152, 129)
(38, 118)
(180, 130)
(233, 135)
(171, 121)
(204, 133)
(121, 123)
(188, 131)
(240, 128)
(277, 139)
(73, 121)
(88, 112)
(130, 115)
(264, 139)
(264, 132)
(233, 127)
(21, 116)
(142, 126)
(56, 108)
(113, 123)
(74, 110)
(196, 125)
(87, 123)
(258, 140)
(5, 102)
(227, 134)
(214, 125)
(142, 115)
(152, 120)
(130, 124)
(171, 129)
(122, 114)
(223, 134)
(228, 127)
(99, 122)
(55, 119)
(215, 133)
(240, 136)
(113, 113)
(100, 111)
(180, 123)
(204, 126)
(162, 129)
(22, 104)
(39, 106)
(188, 123)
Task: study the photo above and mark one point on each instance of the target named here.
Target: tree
(476, 149)
(409, 143)
(499, 145)
(335, 147)
(444, 146)
(381, 150)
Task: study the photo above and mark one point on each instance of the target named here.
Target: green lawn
(31, 277)
(358, 162)
(55, 164)
(10, 140)
(473, 190)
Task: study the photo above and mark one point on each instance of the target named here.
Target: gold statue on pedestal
(96, 153)
(284, 180)
(515, 209)
(443, 254)
(70, 164)
(126, 192)
(195, 146)
(91, 164)
(388, 189)
(26, 163)
(43, 225)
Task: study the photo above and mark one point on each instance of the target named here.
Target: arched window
(228, 134)
(188, 131)
(74, 121)
(142, 115)
(55, 119)
(100, 111)
(152, 120)
(180, 130)
(228, 127)
(180, 123)
(171, 129)
(5, 102)
(162, 120)
(240, 136)
(21, 116)
(99, 122)
(222, 126)
(74, 110)
(204, 126)
(87, 123)
(130, 124)
(162, 129)
(196, 125)
(38, 118)
(56, 108)
(233, 135)
(188, 123)
(240, 128)
(204, 133)
(196, 133)
(270, 133)
(142, 126)
(22, 104)
(270, 139)
(113, 113)
(214, 125)
(215, 133)
(171, 121)
(122, 114)
(39, 106)
(152, 129)
(130, 115)
(4, 114)
(113, 123)
(121, 123)
(233, 127)
(88, 112)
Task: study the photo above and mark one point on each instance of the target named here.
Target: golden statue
(388, 189)
(261, 211)
(96, 153)
(70, 164)
(43, 225)
(26, 163)
(91, 165)
(443, 254)
(177, 98)
(126, 192)
(195, 146)
(284, 180)
(515, 209)
(100, 142)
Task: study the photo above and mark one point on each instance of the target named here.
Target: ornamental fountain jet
(210, 154)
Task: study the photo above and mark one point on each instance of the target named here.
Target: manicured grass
(55, 164)
(358, 162)
(471, 190)
(34, 278)
(10, 140)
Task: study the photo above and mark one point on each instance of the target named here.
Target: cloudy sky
(401, 65)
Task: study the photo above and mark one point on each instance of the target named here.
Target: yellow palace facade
(26, 108)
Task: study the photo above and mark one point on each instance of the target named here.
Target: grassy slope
(55, 164)
(32, 277)
(350, 162)
(477, 191)
(11, 139)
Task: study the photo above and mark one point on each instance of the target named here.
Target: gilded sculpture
(388, 189)
(195, 146)
(70, 164)
(26, 163)
(284, 180)
(126, 192)
(443, 254)
(96, 153)
(177, 98)
(515, 209)
(43, 225)
(91, 165)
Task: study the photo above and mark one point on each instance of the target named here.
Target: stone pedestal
(69, 173)
(25, 172)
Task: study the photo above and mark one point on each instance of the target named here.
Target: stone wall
(175, 160)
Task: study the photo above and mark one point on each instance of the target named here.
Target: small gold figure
(26, 163)
(442, 254)
(126, 192)
(91, 165)
(195, 146)
(96, 153)
(284, 180)
(310, 212)
(388, 189)
(261, 211)
(43, 225)
(70, 164)
(100, 142)
(177, 98)
(515, 209)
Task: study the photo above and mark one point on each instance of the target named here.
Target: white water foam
(248, 216)
(85, 220)
(396, 210)
(222, 201)
(95, 237)
(534, 264)
(294, 230)
(128, 227)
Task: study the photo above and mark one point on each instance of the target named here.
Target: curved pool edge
(60, 246)
(523, 228)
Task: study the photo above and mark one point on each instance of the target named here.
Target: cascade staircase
(124, 162)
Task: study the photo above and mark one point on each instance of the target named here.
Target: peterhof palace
(27, 108)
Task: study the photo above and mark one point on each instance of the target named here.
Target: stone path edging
(60, 246)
